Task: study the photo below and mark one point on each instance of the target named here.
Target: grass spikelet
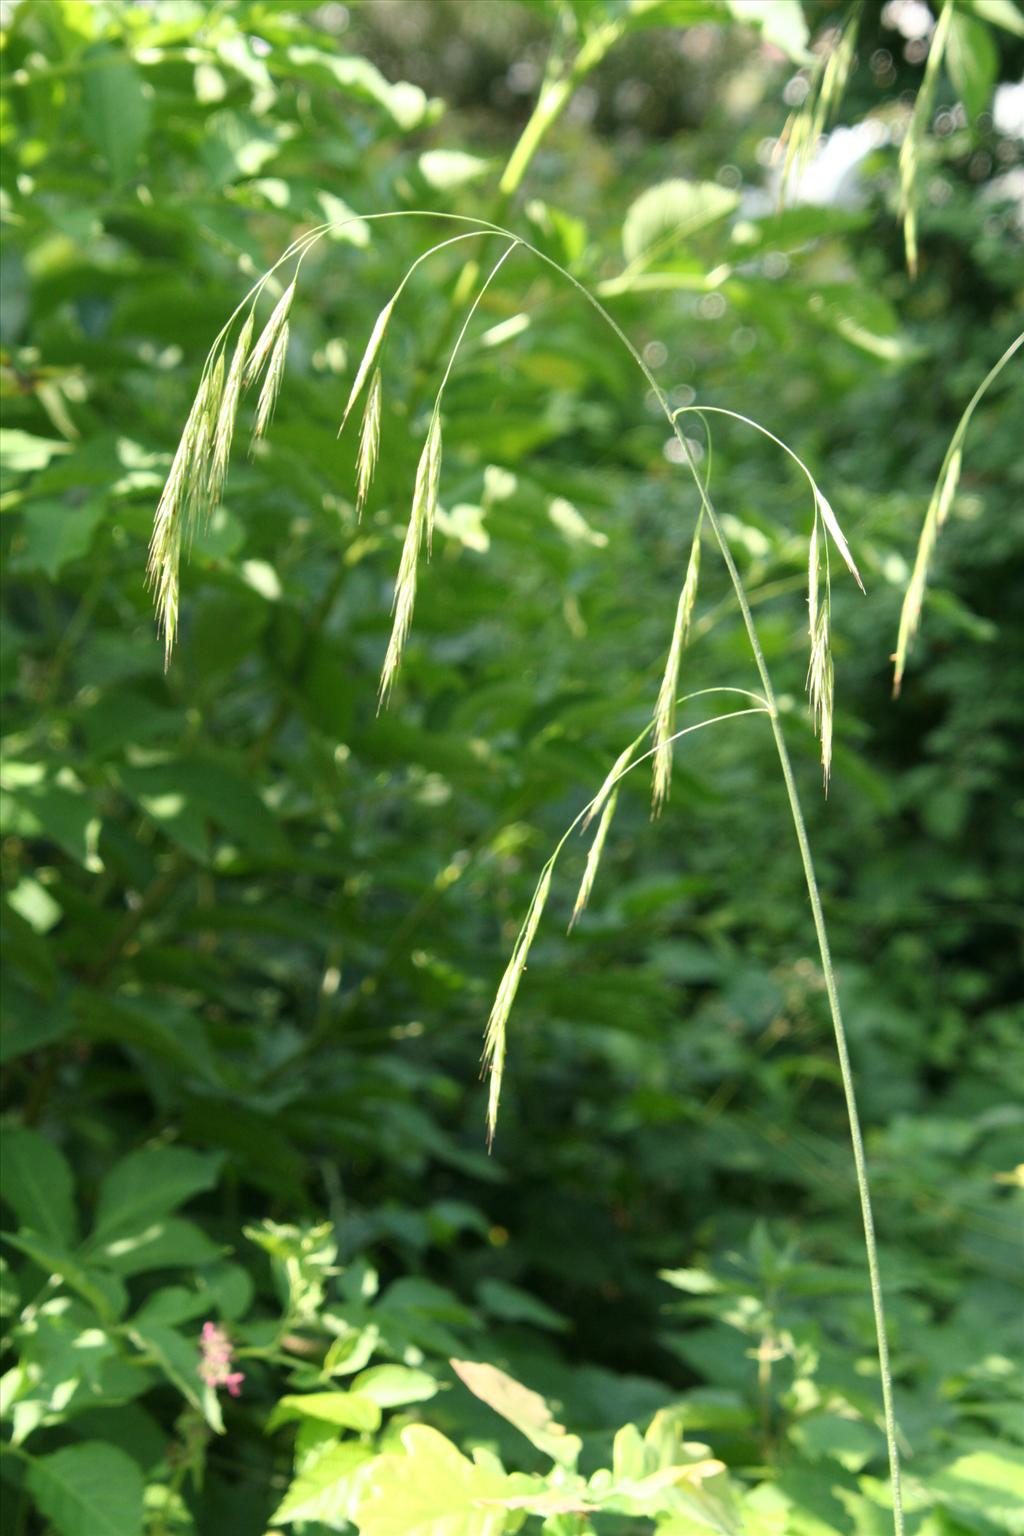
(804, 128)
(594, 858)
(224, 430)
(831, 522)
(421, 518)
(269, 335)
(665, 709)
(821, 685)
(369, 443)
(813, 559)
(432, 477)
(938, 510)
(271, 383)
(368, 358)
(182, 502)
(495, 1037)
(913, 599)
(615, 773)
(914, 138)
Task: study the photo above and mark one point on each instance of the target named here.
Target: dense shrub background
(253, 928)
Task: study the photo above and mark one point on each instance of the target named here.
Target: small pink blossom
(215, 1364)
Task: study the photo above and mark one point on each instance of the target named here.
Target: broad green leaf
(329, 1479)
(985, 1482)
(406, 103)
(669, 213)
(392, 1386)
(116, 108)
(170, 1242)
(38, 1185)
(21, 452)
(780, 22)
(104, 1292)
(90, 1489)
(347, 1409)
(851, 1442)
(35, 805)
(513, 1305)
(177, 1358)
(525, 1409)
(148, 1184)
(56, 534)
(973, 62)
(433, 1490)
(1001, 13)
(443, 169)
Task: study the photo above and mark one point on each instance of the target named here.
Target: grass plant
(190, 494)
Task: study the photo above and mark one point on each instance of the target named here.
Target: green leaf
(433, 1490)
(88, 1490)
(328, 1481)
(780, 22)
(164, 1244)
(973, 62)
(525, 1409)
(1000, 13)
(407, 104)
(392, 1386)
(117, 109)
(178, 1358)
(105, 1293)
(347, 1409)
(22, 452)
(149, 1184)
(444, 169)
(38, 1185)
(989, 1483)
(56, 534)
(670, 212)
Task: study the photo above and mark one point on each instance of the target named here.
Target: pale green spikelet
(614, 774)
(831, 522)
(911, 149)
(821, 684)
(224, 430)
(269, 335)
(432, 454)
(495, 1037)
(421, 518)
(271, 383)
(813, 576)
(665, 709)
(594, 858)
(369, 443)
(938, 510)
(182, 501)
(804, 129)
(372, 348)
(910, 613)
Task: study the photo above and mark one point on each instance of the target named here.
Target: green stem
(555, 95)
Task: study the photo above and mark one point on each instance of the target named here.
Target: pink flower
(215, 1363)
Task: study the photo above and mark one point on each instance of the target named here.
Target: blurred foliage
(252, 927)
